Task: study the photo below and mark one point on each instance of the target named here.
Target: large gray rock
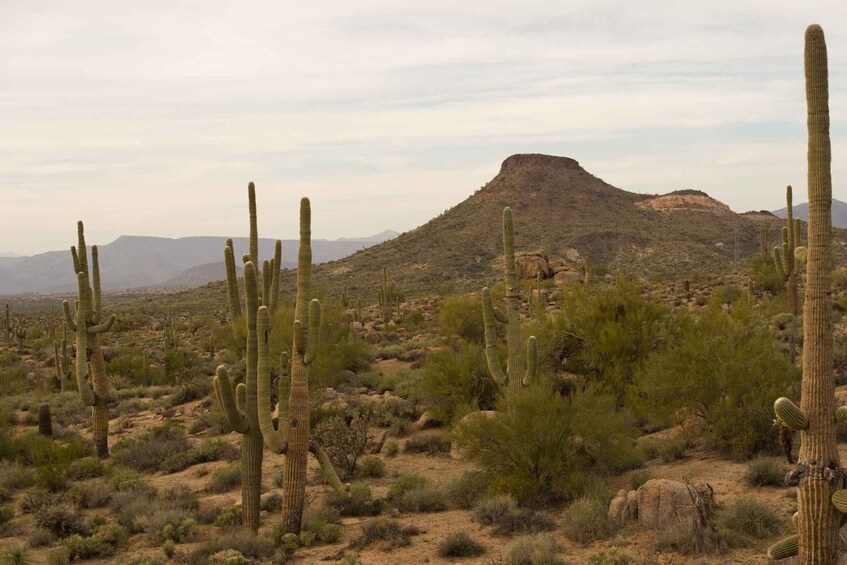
(663, 503)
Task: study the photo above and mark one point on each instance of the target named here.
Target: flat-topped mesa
(524, 160)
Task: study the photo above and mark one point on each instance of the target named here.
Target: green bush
(459, 544)
(372, 466)
(638, 477)
(209, 450)
(226, 478)
(752, 518)
(530, 448)
(586, 520)
(465, 490)
(391, 532)
(454, 381)
(357, 502)
(721, 362)
(539, 550)
(462, 316)
(431, 443)
(148, 451)
(766, 472)
(503, 513)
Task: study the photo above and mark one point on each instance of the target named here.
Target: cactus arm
(499, 315)
(254, 231)
(327, 469)
(304, 262)
(224, 388)
(263, 384)
(97, 306)
(277, 265)
(777, 260)
(104, 327)
(283, 390)
(82, 257)
(788, 547)
(314, 340)
(231, 282)
(241, 397)
(75, 258)
(531, 360)
(491, 339)
(790, 414)
(839, 500)
(266, 283)
(69, 319)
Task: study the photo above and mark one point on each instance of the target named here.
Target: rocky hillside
(558, 207)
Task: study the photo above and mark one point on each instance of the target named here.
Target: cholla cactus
(519, 370)
(818, 475)
(291, 435)
(88, 323)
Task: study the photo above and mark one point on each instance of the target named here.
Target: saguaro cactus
(389, 297)
(45, 420)
(241, 409)
(63, 360)
(518, 370)
(270, 279)
(818, 473)
(784, 254)
(88, 325)
(291, 436)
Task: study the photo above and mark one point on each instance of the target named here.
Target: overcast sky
(147, 119)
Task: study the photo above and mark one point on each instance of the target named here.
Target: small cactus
(45, 421)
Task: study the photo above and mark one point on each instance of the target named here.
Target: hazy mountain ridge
(839, 213)
(143, 261)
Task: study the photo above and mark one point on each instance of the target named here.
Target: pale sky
(145, 118)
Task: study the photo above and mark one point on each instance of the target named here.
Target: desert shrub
(729, 293)
(459, 544)
(455, 380)
(40, 537)
(252, 547)
(230, 516)
(60, 517)
(91, 494)
(638, 477)
(612, 556)
(465, 490)
(431, 443)
(164, 524)
(148, 451)
(7, 512)
(426, 498)
(673, 448)
(752, 518)
(195, 389)
(391, 532)
(502, 512)
(357, 502)
(125, 480)
(530, 448)
(605, 333)
(86, 468)
(209, 450)
(372, 466)
(721, 361)
(271, 503)
(104, 542)
(462, 316)
(323, 524)
(538, 550)
(392, 447)
(766, 472)
(764, 276)
(18, 555)
(226, 478)
(344, 440)
(586, 520)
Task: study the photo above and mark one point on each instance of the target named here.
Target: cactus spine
(518, 370)
(819, 467)
(88, 325)
(291, 435)
(783, 254)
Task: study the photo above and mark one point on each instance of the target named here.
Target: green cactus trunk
(517, 371)
(88, 324)
(820, 503)
(45, 420)
(818, 521)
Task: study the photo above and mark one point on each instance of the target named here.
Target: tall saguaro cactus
(88, 323)
(291, 435)
(518, 370)
(818, 471)
(63, 360)
(269, 294)
(242, 409)
(783, 254)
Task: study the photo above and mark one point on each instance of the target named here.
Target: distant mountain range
(139, 262)
(839, 213)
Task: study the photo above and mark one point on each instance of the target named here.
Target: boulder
(663, 503)
(427, 421)
(566, 277)
(532, 263)
(372, 337)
